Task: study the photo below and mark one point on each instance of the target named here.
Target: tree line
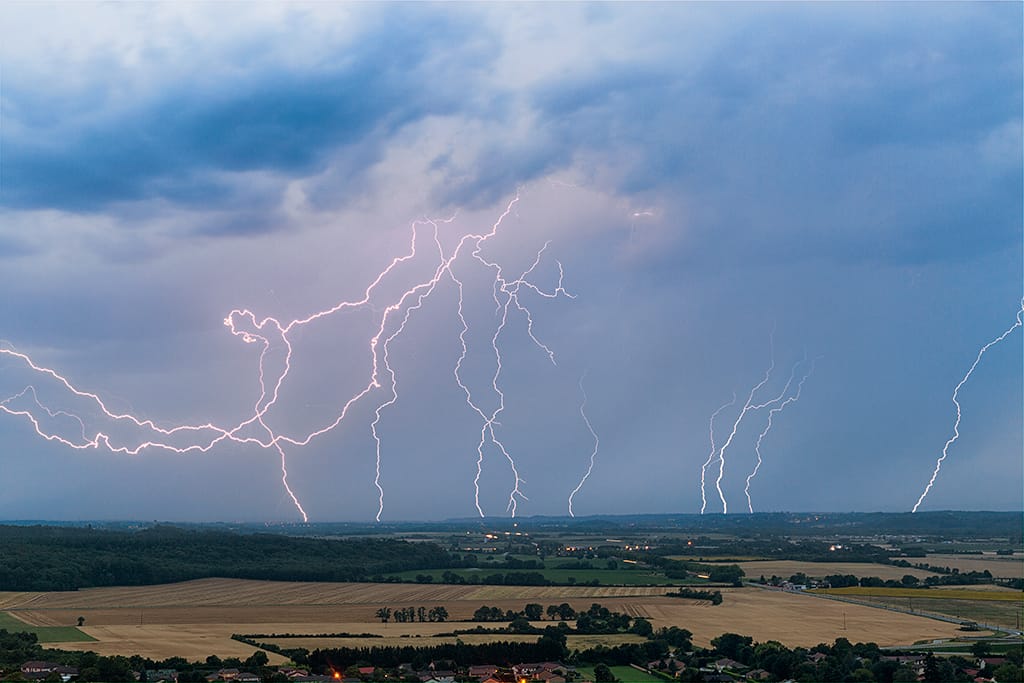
(403, 615)
(40, 558)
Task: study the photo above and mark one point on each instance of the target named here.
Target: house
(162, 675)
(758, 675)
(539, 671)
(731, 664)
(989, 663)
(717, 678)
(817, 657)
(246, 677)
(669, 665)
(367, 670)
(482, 671)
(37, 670)
(501, 677)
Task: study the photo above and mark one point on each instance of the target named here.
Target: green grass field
(626, 674)
(45, 634)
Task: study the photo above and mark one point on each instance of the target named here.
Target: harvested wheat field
(786, 568)
(794, 619)
(1001, 566)
(196, 618)
(239, 592)
(193, 642)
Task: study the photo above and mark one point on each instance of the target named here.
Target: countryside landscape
(628, 594)
(511, 342)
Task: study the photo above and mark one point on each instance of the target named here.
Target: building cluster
(723, 670)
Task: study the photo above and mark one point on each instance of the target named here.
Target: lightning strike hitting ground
(711, 455)
(771, 414)
(956, 392)
(593, 454)
(243, 323)
(747, 407)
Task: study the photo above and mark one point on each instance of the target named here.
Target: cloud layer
(847, 174)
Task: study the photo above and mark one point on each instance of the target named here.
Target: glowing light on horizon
(956, 392)
(244, 324)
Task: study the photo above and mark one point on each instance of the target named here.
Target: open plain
(195, 619)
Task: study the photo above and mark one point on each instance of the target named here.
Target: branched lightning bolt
(711, 455)
(747, 407)
(597, 443)
(956, 392)
(771, 414)
(244, 324)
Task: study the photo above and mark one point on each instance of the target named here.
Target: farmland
(786, 568)
(984, 604)
(196, 618)
(1003, 567)
(931, 593)
(45, 634)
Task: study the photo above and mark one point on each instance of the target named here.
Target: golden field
(1001, 566)
(196, 618)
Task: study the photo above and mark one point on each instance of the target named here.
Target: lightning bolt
(747, 407)
(956, 392)
(270, 333)
(771, 414)
(597, 443)
(711, 455)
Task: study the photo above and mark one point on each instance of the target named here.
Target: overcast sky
(847, 175)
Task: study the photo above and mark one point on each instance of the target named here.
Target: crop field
(793, 619)
(1001, 566)
(786, 568)
(1005, 595)
(196, 618)
(729, 559)
(160, 641)
(984, 604)
(1001, 613)
(45, 634)
(238, 592)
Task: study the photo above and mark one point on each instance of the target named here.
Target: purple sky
(849, 175)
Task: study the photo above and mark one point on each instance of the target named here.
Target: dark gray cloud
(172, 144)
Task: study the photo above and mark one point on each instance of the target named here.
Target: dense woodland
(68, 558)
